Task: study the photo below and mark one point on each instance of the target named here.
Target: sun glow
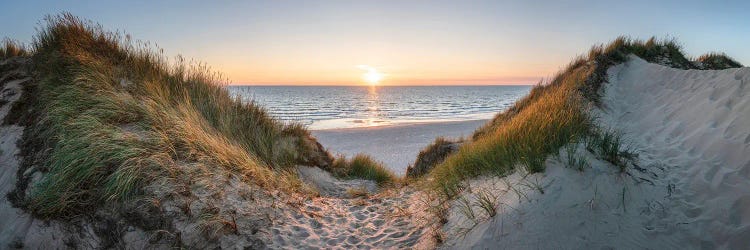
(372, 76)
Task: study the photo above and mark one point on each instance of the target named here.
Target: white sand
(18, 228)
(396, 146)
(692, 131)
(394, 218)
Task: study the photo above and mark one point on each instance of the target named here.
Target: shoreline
(396, 145)
(386, 125)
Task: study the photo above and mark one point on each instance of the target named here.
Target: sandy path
(392, 218)
(381, 221)
(396, 146)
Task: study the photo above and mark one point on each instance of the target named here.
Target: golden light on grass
(372, 76)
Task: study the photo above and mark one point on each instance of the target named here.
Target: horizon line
(386, 85)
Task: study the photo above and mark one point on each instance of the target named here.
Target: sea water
(331, 107)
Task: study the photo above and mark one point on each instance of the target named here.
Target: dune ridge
(105, 144)
(687, 188)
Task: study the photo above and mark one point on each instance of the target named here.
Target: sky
(404, 42)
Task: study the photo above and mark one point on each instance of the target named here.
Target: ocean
(331, 107)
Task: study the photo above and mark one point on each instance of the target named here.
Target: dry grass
(111, 115)
(432, 155)
(358, 192)
(525, 138)
(362, 166)
(553, 115)
(717, 61)
(11, 48)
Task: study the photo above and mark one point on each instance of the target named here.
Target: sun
(372, 76)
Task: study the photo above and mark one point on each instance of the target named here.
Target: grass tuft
(609, 145)
(432, 155)
(11, 48)
(573, 160)
(362, 166)
(717, 61)
(487, 202)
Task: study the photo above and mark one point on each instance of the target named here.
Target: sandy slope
(690, 188)
(17, 228)
(696, 122)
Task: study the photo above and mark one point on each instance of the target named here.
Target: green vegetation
(553, 115)
(108, 116)
(362, 166)
(432, 155)
(717, 61)
(573, 160)
(486, 201)
(608, 144)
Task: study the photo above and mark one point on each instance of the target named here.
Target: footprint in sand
(353, 240)
(375, 238)
(360, 216)
(397, 235)
(380, 222)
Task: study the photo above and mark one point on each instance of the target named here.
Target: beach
(106, 143)
(396, 146)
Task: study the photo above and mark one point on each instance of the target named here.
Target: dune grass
(716, 60)
(609, 145)
(432, 155)
(526, 139)
(362, 166)
(110, 115)
(553, 115)
(11, 48)
(574, 160)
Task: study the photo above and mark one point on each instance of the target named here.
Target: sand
(689, 189)
(396, 146)
(17, 228)
(390, 219)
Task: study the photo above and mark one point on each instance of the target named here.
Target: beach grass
(717, 60)
(363, 166)
(432, 155)
(12, 48)
(552, 115)
(109, 115)
(610, 146)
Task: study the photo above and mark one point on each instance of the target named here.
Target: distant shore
(395, 145)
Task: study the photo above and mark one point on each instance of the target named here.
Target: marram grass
(113, 115)
(362, 166)
(554, 114)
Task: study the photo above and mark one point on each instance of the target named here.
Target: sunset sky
(408, 42)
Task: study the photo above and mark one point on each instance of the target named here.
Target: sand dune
(690, 186)
(696, 122)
